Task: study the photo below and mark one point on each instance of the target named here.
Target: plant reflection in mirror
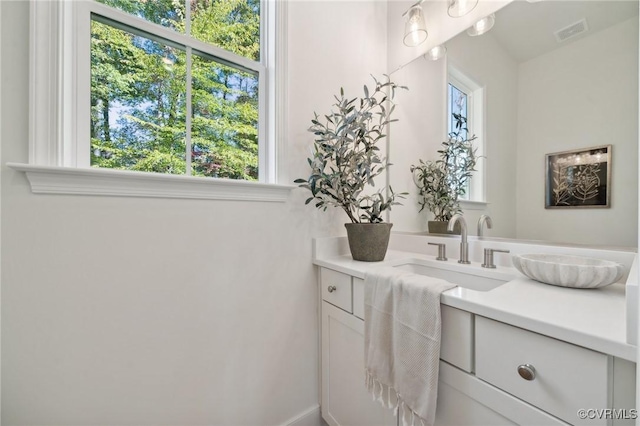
(441, 183)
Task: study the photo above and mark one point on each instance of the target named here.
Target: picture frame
(578, 178)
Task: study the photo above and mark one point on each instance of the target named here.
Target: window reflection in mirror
(466, 98)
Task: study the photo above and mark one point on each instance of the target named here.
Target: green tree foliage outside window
(139, 91)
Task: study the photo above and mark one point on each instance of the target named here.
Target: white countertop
(592, 318)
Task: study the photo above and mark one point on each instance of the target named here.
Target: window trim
(53, 106)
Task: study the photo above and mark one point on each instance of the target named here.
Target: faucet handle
(488, 257)
(442, 250)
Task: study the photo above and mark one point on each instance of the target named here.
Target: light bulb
(436, 53)
(458, 8)
(415, 30)
(482, 26)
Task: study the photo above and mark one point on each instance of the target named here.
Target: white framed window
(184, 91)
(466, 98)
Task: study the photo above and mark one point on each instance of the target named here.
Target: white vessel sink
(568, 271)
(465, 279)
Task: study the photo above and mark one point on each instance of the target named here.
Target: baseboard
(310, 417)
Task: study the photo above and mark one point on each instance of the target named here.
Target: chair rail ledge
(108, 182)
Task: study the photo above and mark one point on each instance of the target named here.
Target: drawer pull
(331, 288)
(527, 371)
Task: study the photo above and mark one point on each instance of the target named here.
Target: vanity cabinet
(479, 382)
(345, 399)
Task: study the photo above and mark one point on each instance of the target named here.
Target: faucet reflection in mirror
(484, 219)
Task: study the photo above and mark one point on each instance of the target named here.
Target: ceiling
(526, 29)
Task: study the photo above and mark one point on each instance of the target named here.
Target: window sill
(473, 205)
(91, 181)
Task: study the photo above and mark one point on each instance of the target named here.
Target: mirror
(556, 76)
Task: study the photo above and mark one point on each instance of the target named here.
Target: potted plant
(441, 183)
(346, 160)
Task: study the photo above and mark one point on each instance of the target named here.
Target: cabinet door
(345, 399)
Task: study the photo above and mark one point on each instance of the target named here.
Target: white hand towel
(402, 328)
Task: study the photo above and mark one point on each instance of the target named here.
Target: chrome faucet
(484, 218)
(464, 246)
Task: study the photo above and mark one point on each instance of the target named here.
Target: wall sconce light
(482, 26)
(415, 30)
(436, 53)
(458, 8)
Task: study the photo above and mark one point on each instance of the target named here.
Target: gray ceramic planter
(368, 241)
(440, 227)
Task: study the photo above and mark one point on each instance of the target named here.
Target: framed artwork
(579, 178)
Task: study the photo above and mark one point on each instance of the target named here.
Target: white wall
(157, 312)
(595, 82)
(422, 127)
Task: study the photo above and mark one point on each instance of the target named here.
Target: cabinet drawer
(456, 346)
(567, 377)
(336, 288)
